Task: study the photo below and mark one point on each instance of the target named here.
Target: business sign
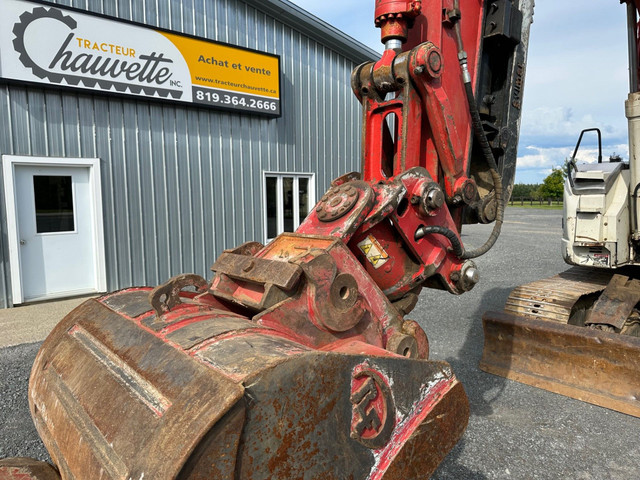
(47, 44)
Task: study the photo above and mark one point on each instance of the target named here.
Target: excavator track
(554, 298)
(538, 341)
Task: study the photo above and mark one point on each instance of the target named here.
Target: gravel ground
(515, 431)
(18, 436)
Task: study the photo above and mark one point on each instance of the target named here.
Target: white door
(59, 252)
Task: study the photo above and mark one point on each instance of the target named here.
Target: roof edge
(304, 22)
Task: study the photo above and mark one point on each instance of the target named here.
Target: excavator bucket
(119, 391)
(540, 340)
(26, 469)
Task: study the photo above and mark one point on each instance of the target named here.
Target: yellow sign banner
(216, 65)
(225, 71)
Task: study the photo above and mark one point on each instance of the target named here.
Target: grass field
(553, 206)
(537, 204)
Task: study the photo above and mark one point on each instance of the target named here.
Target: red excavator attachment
(121, 391)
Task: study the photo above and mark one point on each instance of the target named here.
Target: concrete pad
(32, 323)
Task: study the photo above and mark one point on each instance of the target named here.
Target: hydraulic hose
(458, 250)
(493, 169)
(480, 135)
(484, 145)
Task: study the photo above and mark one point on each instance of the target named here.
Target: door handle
(23, 242)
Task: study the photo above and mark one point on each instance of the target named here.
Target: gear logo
(147, 74)
(19, 31)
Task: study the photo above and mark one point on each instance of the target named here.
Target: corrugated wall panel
(5, 141)
(180, 184)
(146, 215)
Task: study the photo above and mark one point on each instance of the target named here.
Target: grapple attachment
(120, 392)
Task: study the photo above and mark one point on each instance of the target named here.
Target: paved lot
(32, 323)
(515, 431)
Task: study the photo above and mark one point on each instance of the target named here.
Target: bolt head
(472, 275)
(434, 198)
(435, 61)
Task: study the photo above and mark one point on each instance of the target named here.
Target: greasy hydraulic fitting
(433, 197)
(394, 18)
(466, 190)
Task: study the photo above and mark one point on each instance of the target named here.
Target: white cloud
(535, 163)
(540, 158)
(577, 74)
(560, 125)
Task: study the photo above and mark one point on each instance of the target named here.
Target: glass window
(303, 195)
(288, 199)
(272, 207)
(287, 203)
(54, 203)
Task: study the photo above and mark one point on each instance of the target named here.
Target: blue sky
(577, 76)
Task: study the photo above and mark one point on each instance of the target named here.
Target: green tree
(524, 190)
(553, 185)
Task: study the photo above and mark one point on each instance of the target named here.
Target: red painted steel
(395, 17)
(416, 141)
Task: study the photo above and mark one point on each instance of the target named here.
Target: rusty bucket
(119, 392)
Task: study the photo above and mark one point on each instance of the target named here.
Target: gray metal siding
(180, 184)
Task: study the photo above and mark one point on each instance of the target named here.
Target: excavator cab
(596, 215)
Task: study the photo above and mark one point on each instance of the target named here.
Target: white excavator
(576, 333)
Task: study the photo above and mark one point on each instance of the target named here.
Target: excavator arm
(296, 360)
